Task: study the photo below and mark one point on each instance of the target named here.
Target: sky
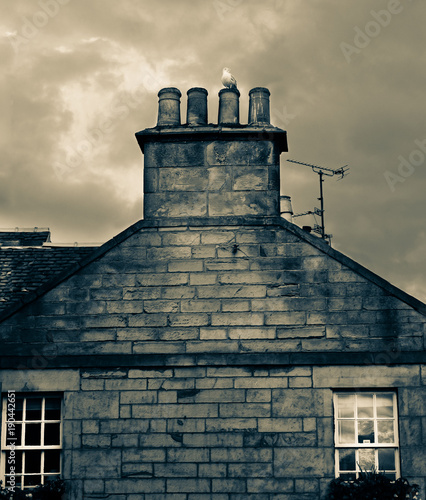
(347, 82)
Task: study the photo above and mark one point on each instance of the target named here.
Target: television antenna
(322, 171)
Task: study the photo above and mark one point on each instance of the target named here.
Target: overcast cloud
(347, 82)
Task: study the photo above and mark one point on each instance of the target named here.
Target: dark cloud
(74, 91)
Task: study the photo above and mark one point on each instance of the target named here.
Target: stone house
(212, 350)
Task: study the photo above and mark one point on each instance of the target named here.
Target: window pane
(18, 434)
(385, 431)
(13, 434)
(51, 434)
(384, 403)
(32, 434)
(32, 480)
(386, 459)
(32, 461)
(367, 460)
(346, 406)
(52, 460)
(347, 460)
(17, 464)
(365, 405)
(365, 431)
(346, 431)
(52, 409)
(18, 481)
(33, 411)
(18, 409)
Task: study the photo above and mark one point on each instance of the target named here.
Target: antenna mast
(321, 171)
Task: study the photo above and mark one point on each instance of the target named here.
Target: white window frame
(43, 448)
(359, 446)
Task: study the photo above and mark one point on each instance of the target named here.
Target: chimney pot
(169, 107)
(229, 106)
(259, 106)
(196, 112)
(286, 210)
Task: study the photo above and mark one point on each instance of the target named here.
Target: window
(31, 444)
(366, 433)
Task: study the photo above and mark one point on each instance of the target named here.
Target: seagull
(228, 80)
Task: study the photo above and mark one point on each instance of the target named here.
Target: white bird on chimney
(228, 80)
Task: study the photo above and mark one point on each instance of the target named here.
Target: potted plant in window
(52, 490)
(372, 486)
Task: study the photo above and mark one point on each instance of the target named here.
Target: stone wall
(249, 288)
(216, 433)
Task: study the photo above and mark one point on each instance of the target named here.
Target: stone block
(258, 410)
(366, 376)
(230, 424)
(238, 455)
(250, 178)
(200, 305)
(197, 455)
(213, 440)
(213, 333)
(240, 319)
(260, 203)
(280, 424)
(138, 455)
(155, 306)
(175, 470)
(285, 318)
(301, 403)
(96, 441)
(258, 395)
(159, 319)
(270, 485)
(212, 470)
(181, 238)
(231, 291)
(188, 485)
(136, 486)
(260, 382)
(96, 464)
(303, 462)
(228, 485)
(240, 153)
(175, 204)
(252, 333)
(170, 154)
(91, 405)
(186, 266)
(188, 319)
(203, 278)
(187, 410)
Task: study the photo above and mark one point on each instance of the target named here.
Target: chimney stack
(205, 170)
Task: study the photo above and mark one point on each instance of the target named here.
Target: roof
(34, 237)
(25, 264)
